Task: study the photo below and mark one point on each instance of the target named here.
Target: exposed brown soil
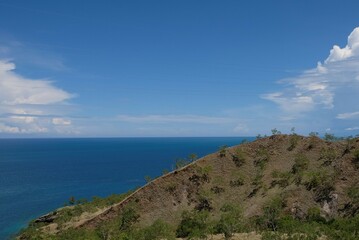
(220, 180)
(245, 175)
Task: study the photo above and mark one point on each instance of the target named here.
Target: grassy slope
(305, 172)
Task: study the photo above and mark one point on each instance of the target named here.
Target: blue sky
(178, 68)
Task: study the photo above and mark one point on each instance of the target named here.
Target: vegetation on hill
(281, 187)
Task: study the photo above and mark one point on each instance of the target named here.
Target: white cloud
(61, 121)
(174, 119)
(351, 49)
(26, 104)
(352, 129)
(8, 129)
(25, 119)
(15, 89)
(317, 88)
(348, 115)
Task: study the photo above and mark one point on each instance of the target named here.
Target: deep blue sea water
(40, 175)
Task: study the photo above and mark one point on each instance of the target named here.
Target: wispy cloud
(350, 115)
(352, 129)
(241, 128)
(316, 88)
(174, 119)
(34, 55)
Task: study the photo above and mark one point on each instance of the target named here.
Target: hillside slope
(307, 174)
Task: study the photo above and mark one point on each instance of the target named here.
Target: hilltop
(279, 184)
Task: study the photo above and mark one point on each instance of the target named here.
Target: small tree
(275, 131)
(231, 221)
(272, 211)
(330, 137)
(180, 163)
(148, 179)
(313, 134)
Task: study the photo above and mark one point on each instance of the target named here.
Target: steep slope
(250, 174)
(306, 173)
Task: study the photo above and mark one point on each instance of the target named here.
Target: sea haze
(40, 175)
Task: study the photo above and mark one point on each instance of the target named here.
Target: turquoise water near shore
(39, 175)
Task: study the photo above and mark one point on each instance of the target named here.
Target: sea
(40, 175)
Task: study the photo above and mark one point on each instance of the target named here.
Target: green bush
(293, 141)
(353, 194)
(313, 214)
(315, 179)
(262, 157)
(159, 230)
(127, 218)
(194, 224)
(275, 131)
(237, 182)
(328, 155)
(231, 221)
(281, 178)
(239, 158)
(272, 211)
(301, 163)
(223, 151)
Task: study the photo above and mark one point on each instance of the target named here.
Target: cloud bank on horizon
(29, 106)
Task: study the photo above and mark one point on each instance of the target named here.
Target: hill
(303, 187)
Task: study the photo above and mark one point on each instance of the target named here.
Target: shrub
(192, 157)
(313, 134)
(231, 221)
(262, 157)
(158, 230)
(127, 218)
(217, 190)
(317, 178)
(313, 214)
(353, 194)
(301, 163)
(272, 211)
(275, 131)
(330, 137)
(148, 179)
(259, 136)
(239, 158)
(293, 141)
(356, 158)
(328, 155)
(171, 187)
(180, 163)
(222, 151)
(312, 142)
(350, 141)
(204, 204)
(281, 178)
(236, 183)
(194, 224)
